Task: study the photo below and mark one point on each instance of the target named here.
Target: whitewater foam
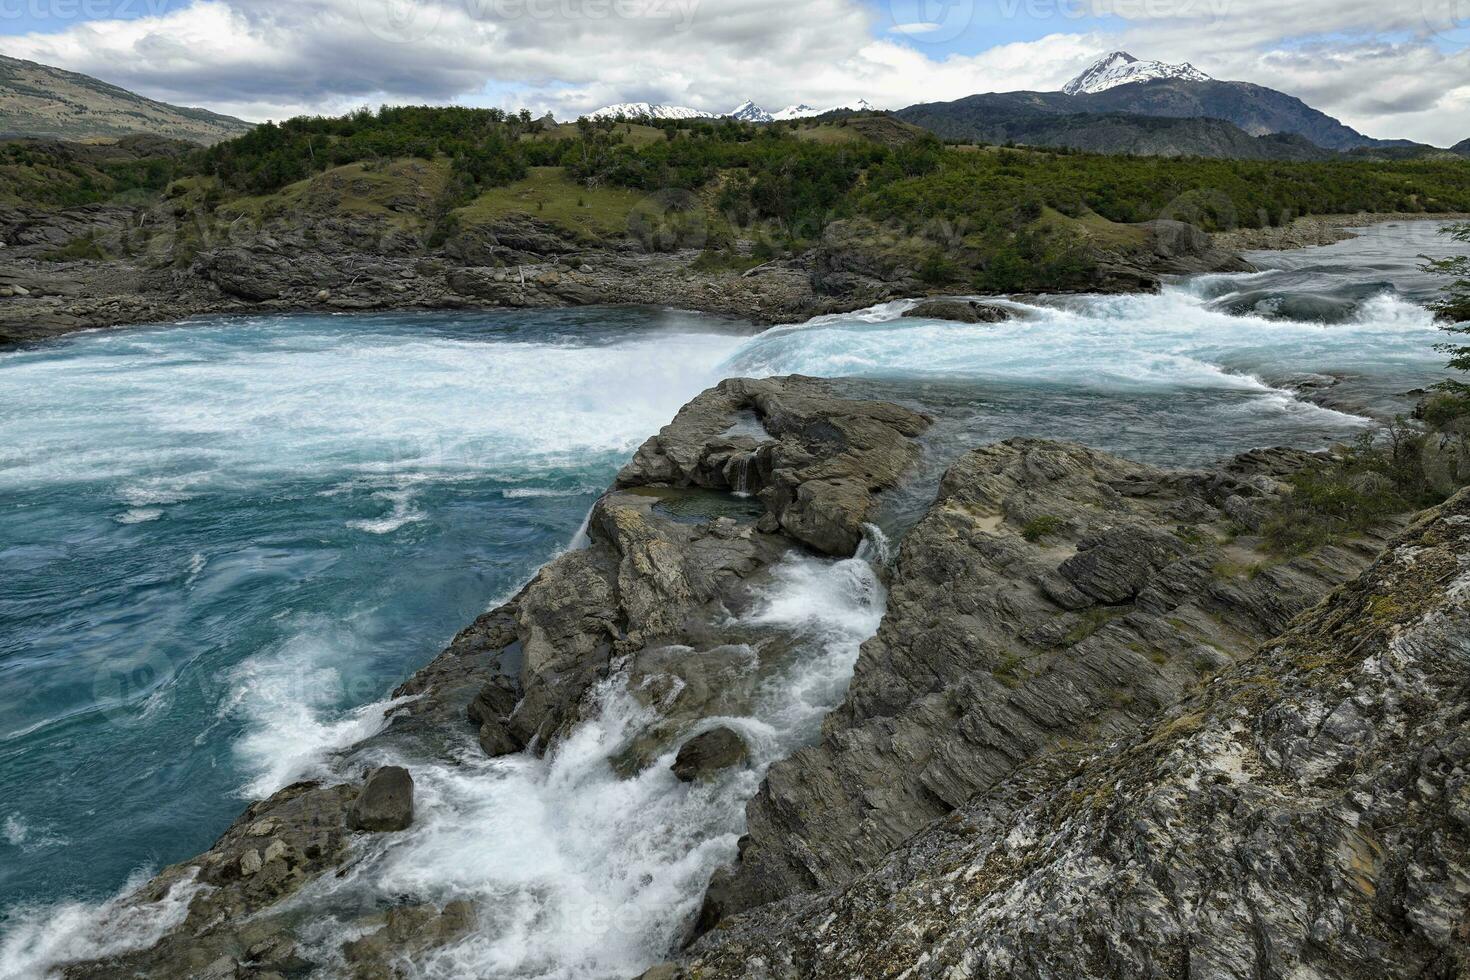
(1127, 343)
(578, 873)
(38, 940)
(289, 699)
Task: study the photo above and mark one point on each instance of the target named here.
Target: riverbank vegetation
(782, 172)
(991, 219)
(1407, 464)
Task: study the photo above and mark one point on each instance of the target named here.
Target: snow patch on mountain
(649, 110)
(801, 110)
(746, 111)
(1121, 68)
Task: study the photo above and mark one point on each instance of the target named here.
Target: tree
(1454, 307)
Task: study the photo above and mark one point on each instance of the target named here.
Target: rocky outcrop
(960, 311)
(1306, 812)
(1167, 248)
(1052, 596)
(274, 849)
(650, 593)
(814, 461)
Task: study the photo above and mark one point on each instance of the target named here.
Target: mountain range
(1119, 104)
(38, 100)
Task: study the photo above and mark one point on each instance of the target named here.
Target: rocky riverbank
(1316, 230)
(149, 266)
(1066, 749)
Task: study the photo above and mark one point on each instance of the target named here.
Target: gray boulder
(705, 756)
(817, 471)
(385, 803)
(960, 311)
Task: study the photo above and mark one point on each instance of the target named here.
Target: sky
(1390, 68)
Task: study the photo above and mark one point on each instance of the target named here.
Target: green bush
(1042, 527)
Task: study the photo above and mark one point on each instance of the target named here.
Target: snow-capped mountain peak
(748, 111)
(650, 110)
(1121, 68)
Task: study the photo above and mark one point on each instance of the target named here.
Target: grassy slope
(547, 195)
(398, 194)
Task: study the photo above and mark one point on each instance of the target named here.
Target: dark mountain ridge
(1042, 119)
(1108, 112)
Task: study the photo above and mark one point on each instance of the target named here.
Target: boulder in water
(960, 311)
(705, 756)
(386, 802)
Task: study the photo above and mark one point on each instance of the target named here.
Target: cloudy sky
(1391, 68)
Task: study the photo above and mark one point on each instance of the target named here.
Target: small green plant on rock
(1042, 527)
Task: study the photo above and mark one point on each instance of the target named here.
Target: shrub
(1042, 527)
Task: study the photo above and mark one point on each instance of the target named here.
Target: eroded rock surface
(1052, 596)
(385, 803)
(704, 756)
(1305, 813)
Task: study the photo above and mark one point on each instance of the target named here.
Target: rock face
(385, 803)
(1052, 595)
(1065, 753)
(1304, 813)
(960, 311)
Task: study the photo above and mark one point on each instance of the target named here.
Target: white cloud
(275, 58)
